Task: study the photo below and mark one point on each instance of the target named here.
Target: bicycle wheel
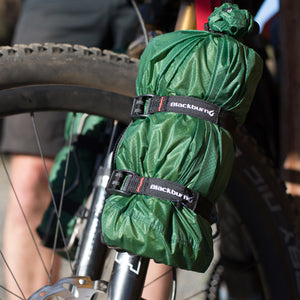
(256, 218)
(258, 246)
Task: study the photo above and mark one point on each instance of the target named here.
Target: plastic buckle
(119, 181)
(138, 106)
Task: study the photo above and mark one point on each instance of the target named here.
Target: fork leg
(128, 277)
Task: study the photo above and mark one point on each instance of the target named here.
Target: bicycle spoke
(158, 278)
(57, 211)
(6, 171)
(24, 216)
(12, 275)
(11, 293)
(196, 294)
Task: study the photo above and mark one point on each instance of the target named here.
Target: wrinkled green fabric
(77, 186)
(187, 150)
(215, 68)
(231, 20)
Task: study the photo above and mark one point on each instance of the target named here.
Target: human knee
(29, 184)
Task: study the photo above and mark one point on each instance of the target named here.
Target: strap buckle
(138, 106)
(128, 183)
(189, 199)
(119, 181)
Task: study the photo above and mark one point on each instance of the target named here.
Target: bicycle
(254, 248)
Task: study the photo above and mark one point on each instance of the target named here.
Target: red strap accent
(203, 9)
(160, 103)
(140, 184)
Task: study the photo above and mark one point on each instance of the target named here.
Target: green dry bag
(175, 158)
(87, 147)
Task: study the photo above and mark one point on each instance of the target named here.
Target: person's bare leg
(31, 186)
(158, 284)
(292, 167)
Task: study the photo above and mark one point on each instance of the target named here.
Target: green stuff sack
(88, 143)
(169, 157)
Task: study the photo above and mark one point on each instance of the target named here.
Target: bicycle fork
(129, 271)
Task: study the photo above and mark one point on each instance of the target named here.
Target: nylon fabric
(140, 222)
(231, 20)
(81, 165)
(215, 68)
(193, 152)
(145, 218)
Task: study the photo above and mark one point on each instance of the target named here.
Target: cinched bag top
(201, 64)
(231, 20)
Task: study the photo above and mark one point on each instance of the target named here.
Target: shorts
(106, 24)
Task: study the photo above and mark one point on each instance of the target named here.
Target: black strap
(149, 104)
(127, 183)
